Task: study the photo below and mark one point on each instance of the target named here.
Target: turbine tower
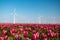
(53, 19)
(40, 19)
(14, 16)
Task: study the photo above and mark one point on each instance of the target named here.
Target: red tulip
(34, 37)
(20, 26)
(18, 32)
(48, 34)
(14, 30)
(52, 34)
(28, 29)
(49, 31)
(1, 38)
(41, 27)
(17, 36)
(27, 39)
(37, 35)
(56, 35)
(57, 27)
(6, 38)
(25, 34)
(34, 31)
(6, 25)
(44, 35)
(12, 34)
(4, 32)
(21, 30)
(45, 38)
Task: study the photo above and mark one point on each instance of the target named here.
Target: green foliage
(0, 32)
(29, 34)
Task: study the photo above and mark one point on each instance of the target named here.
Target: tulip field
(29, 31)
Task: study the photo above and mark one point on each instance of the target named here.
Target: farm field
(29, 31)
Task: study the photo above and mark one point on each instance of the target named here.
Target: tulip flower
(12, 34)
(57, 27)
(20, 26)
(49, 31)
(17, 37)
(25, 34)
(27, 39)
(44, 35)
(56, 34)
(34, 37)
(28, 29)
(4, 32)
(45, 38)
(18, 32)
(52, 34)
(1, 38)
(6, 38)
(34, 31)
(37, 35)
(21, 29)
(13, 30)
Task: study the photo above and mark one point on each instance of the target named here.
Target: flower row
(29, 32)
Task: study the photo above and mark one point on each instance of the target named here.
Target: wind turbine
(40, 19)
(53, 19)
(14, 16)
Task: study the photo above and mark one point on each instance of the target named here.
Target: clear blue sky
(28, 9)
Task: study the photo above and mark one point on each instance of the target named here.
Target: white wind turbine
(53, 19)
(14, 16)
(40, 19)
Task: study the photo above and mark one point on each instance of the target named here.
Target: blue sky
(28, 9)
